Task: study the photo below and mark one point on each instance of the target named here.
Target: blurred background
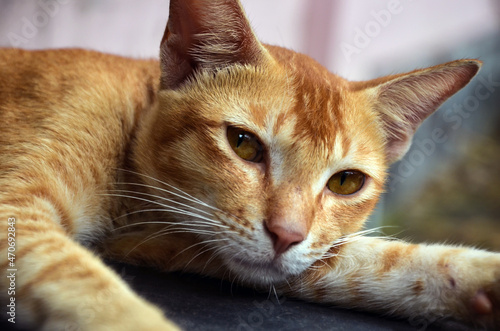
(447, 188)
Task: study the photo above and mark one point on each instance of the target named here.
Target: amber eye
(346, 182)
(245, 144)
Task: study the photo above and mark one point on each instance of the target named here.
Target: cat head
(277, 158)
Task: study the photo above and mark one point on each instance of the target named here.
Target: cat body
(228, 158)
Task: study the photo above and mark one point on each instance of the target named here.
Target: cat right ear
(404, 101)
(205, 35)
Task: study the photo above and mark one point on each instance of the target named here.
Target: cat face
(304, 127)
(278, 159)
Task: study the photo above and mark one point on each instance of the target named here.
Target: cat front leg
(418, 282)
(59, 285)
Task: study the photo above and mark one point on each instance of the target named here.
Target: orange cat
(235, 159)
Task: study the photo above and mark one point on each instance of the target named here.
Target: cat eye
(245, 144)
(346, 182)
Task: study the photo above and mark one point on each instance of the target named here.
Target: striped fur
(130, 159)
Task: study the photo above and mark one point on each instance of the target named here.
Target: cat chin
(261, 273)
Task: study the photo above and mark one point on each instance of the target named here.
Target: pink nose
(284, 237)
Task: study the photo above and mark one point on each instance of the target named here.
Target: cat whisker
(219, 251)
(369, 231)
(181, 194)
(198, 220)
(151, 210)
(272, 291)
(168, 208)
(353, 236)
(207, 263)
(162, 199)
(192, 222)
(204, 242)
(312, 266)
(163, 183)
(207, 249)
(170, 231)
(173, 209)
(187, 197)
(349, 238)
(328, 255)
(195, 223)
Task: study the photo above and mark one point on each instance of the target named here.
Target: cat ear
(404, 101)
(205, 35)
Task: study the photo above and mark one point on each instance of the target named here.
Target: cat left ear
(205, 35)
(405, 101)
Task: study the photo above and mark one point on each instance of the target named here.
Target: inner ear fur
(404, 101)
(205, 35)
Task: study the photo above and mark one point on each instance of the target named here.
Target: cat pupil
(343, 178)
(241, 138)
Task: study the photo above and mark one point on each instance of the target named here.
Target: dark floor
(197, 303)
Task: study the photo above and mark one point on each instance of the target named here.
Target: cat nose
(284, 237)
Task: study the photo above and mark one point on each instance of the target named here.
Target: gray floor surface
(197, 303)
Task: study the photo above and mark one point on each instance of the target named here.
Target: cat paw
(485, 306)
(482, 306)
(156, 324)
(137, 315)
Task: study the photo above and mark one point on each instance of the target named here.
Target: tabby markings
(11, 272)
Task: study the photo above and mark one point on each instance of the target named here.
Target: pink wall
(349, 37)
